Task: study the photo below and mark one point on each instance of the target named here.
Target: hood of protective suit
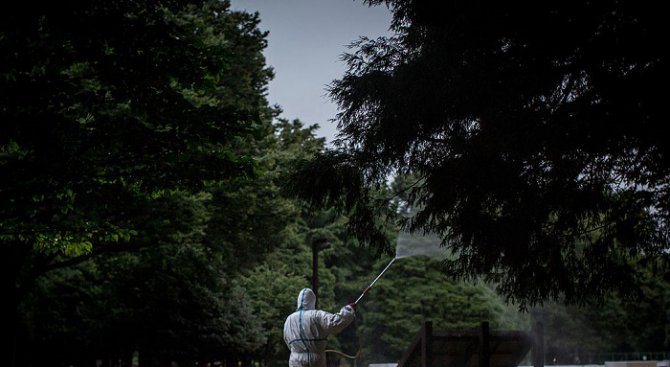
(306, 299)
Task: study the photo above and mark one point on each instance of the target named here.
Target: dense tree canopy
(534, 130)
(126, 125)
(108, 103)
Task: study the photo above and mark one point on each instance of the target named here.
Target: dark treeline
(138, 168)
(145, 217)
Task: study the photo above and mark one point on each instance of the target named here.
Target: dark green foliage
(189, 297)
(128, 304)
(534, 131)
(131, 125)
(107, 103)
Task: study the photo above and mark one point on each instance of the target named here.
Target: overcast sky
(305, 42)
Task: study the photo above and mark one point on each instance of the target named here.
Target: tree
(534, 131)
(273, 283)
(108, 108)
(176, 300)
(204, 291)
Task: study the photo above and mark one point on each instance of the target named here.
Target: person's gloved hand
(353, 306)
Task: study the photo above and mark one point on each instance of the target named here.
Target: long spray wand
(375, 281)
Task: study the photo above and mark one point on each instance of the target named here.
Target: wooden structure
(468, 348)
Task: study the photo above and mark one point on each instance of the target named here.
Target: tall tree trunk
(12, 288)
(22, 267)
(10, 323)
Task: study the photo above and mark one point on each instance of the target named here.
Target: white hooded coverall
(306, 330)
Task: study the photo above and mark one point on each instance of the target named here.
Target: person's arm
(335, 322)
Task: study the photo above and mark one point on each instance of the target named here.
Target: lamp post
(316, 246)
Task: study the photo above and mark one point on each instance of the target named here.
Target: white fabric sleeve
(335, 322)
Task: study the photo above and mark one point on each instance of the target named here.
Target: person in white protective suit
(306, 330)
